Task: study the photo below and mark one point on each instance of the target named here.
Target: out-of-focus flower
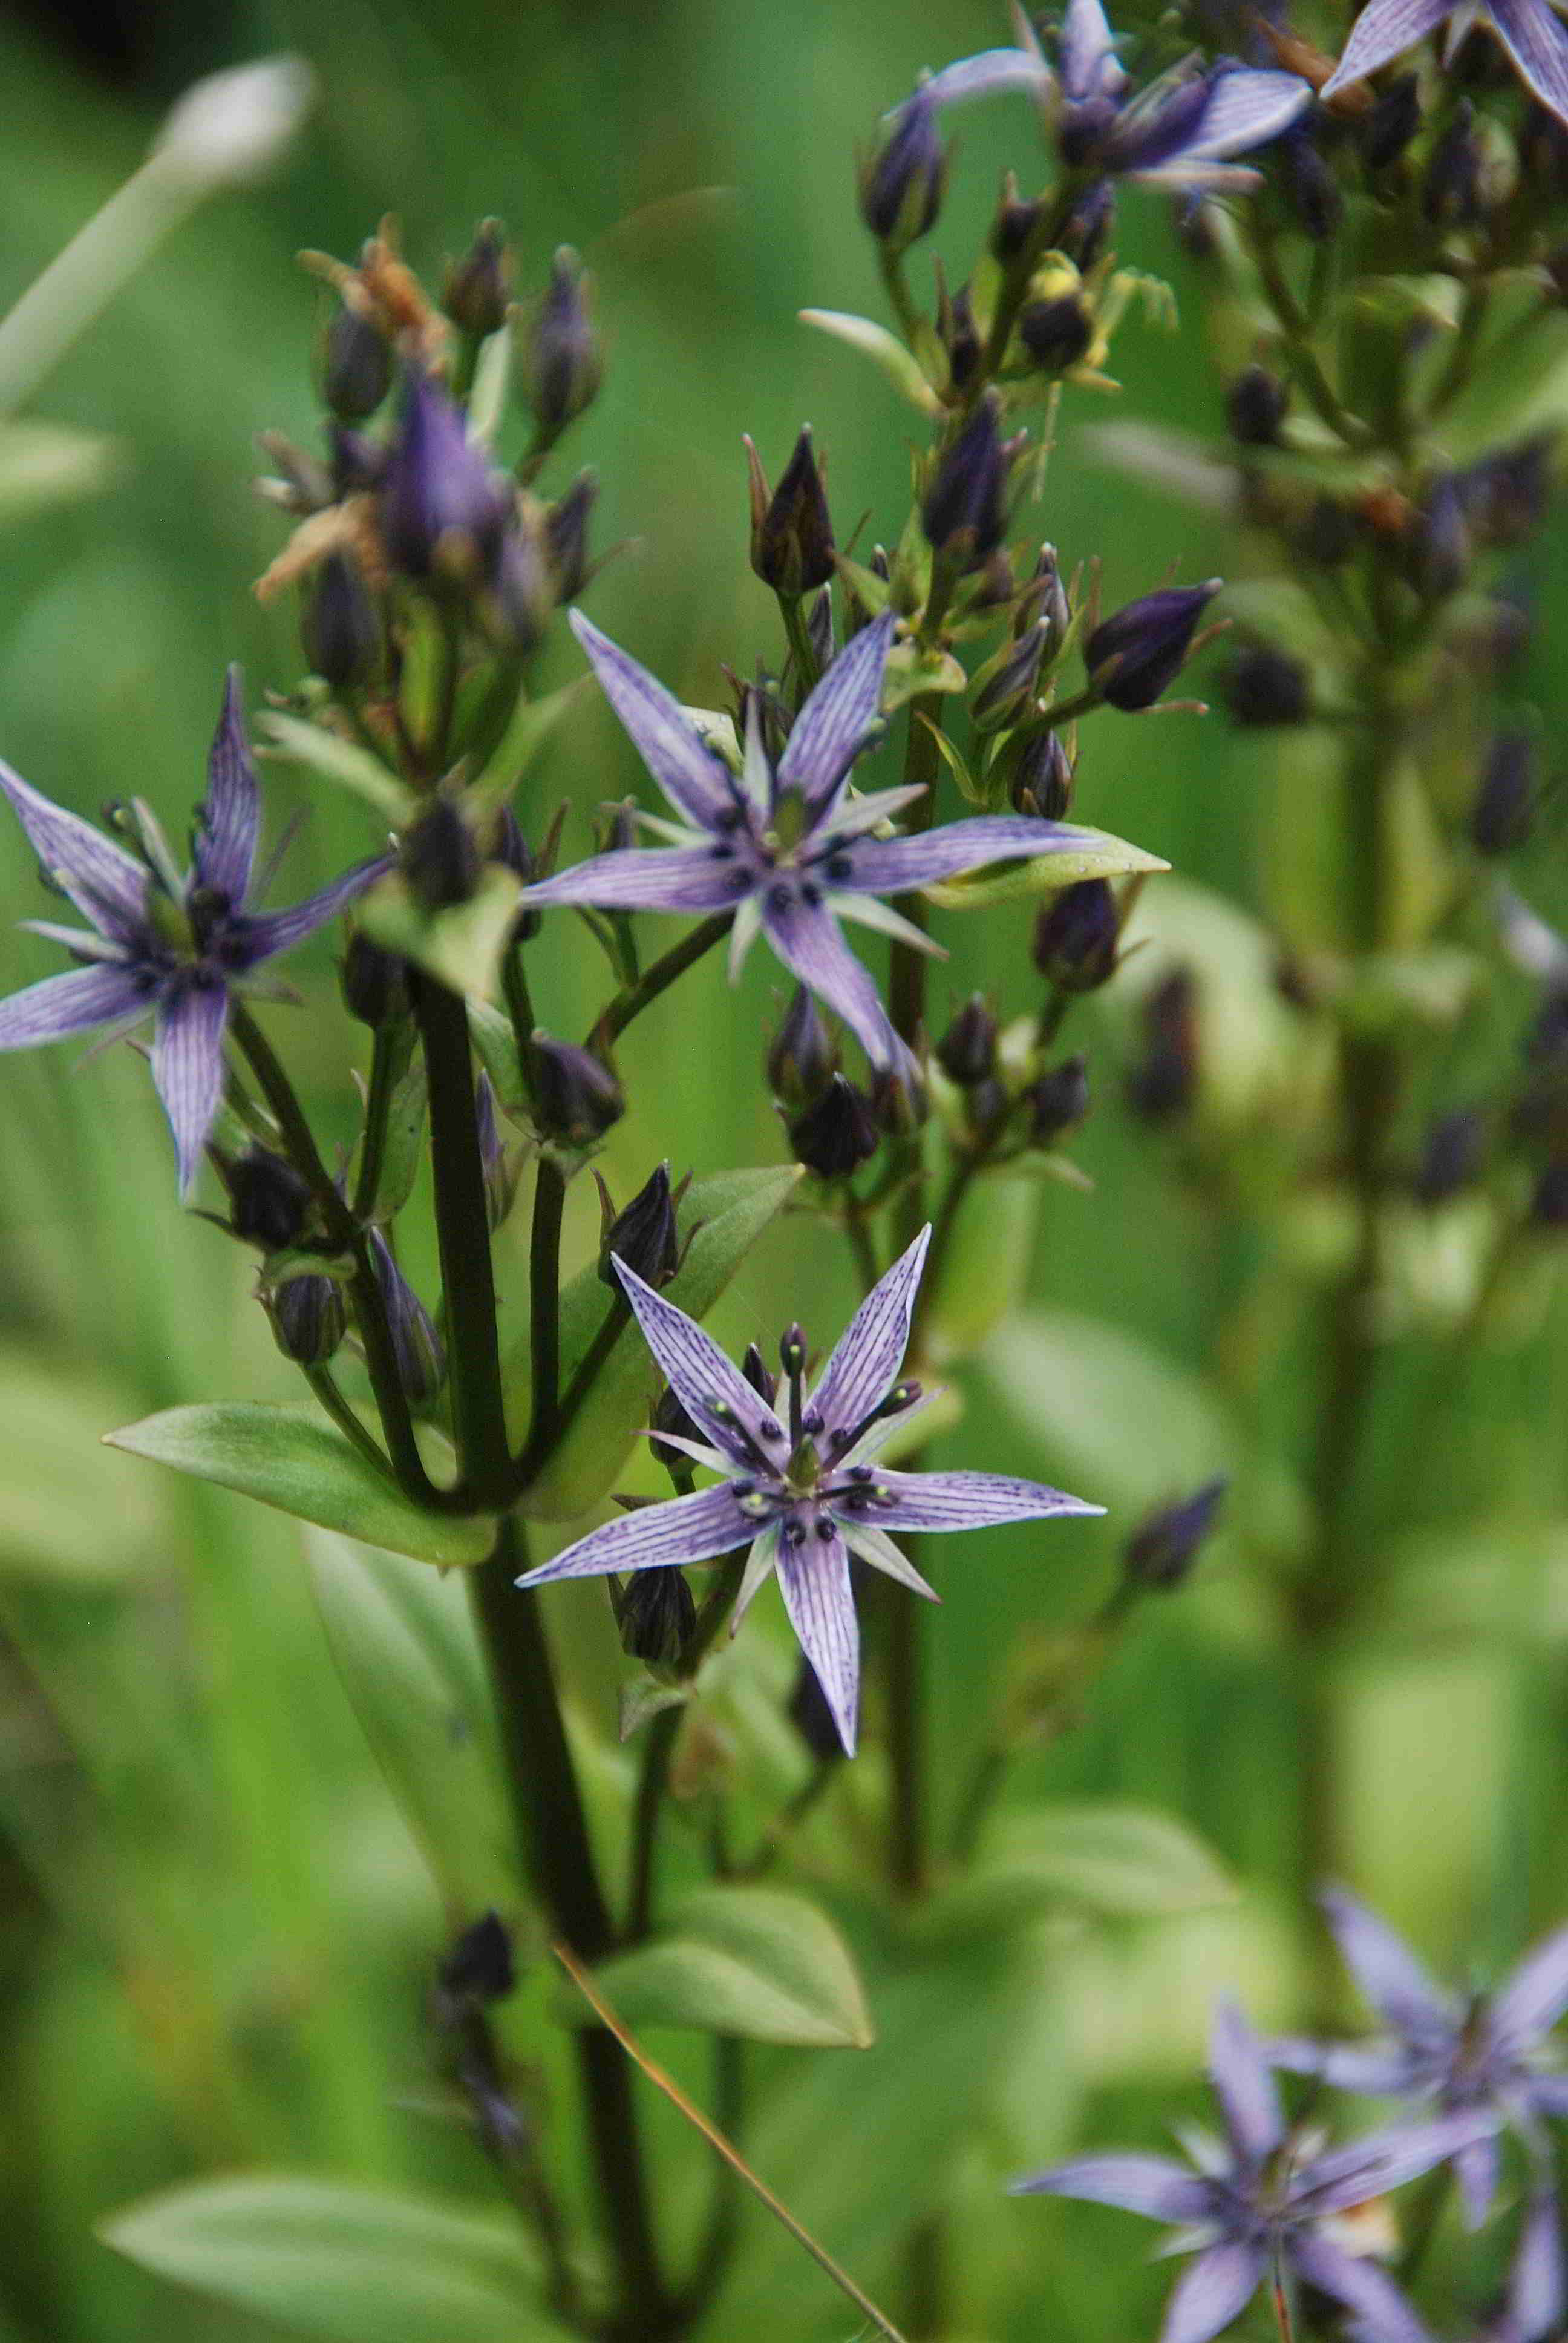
(1532, 33)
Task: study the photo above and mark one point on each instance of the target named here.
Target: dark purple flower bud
(512, 850)
(440, 856)
(760, 1374)
(1161, 1550)
(1009, 693)
(1328, 536)
(1264, 686)
(480, 1965)
(339, 626)
(1507, 495)
(1086, 230)
(643, 1234)
(416, 1346)
(479, 287)
(1548, 1204)
(309, 1319)
(820, 630)
(901, 187)
(500, 1176)
(522, 587)
(442, 510)
(671, 1416)
(791, 531)
(1440, 540)
(657, 1615)
(1059, 1101)
(566, 536)
(812, 1718)
(1450, 192)
(1043, 781)
(375, 982)
(560, 358)
(1056, 333)
(1393, 122)
(1309, 187)
(1075, 936)
(576, 1096)
(356, 366)
(1163, 1083)
(801, 1060)
(1503, 813)
(899, 1098)
(961, 338)
(1044, 597)
(835, 1135)
(1451, 1155)
(1255, 406)
(1014, 224)
(965, 509)
(967, 1050)
(268, 1201)
(1149, 640)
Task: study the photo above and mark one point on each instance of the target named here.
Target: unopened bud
(1044, 597)
(1075, 936)
(480, 1967)
(835, 1135)
(965, 510)
(1059, 1101)
(512, 850)
(760, 1374)
(1087, 228)
(1503, 813)
(500, 1176)
(1163, 1083)
(1393, 122)
(1161, 1550)
(440, 856)
(1009, 692)
(1264, 686)
(967, 1050)
(1506, 494)
(521, 588)
(1450, 193)
(442, 510)
(576, 1096)
(373, 982)
(901, 188)
(268, 1201)
(801, 1060)
(671, 1416)
(791, 531)
(1310, 187)
(309, 1319)
(339, 626)
(1014, 224)
(566, 536)
(657, 1615)
(1042, 778)
(1440, 545)
(1056, 333)
(478, 287)
(560, 358)
(643, 1235)
(1149, 642)
(1256, 404)
(355, 365)
(418, 1347)
(809, 1714)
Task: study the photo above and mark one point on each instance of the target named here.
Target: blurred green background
(215, 1935)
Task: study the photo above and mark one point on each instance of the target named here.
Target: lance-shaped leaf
(460, 945)
(1094, 854)
(885, 351)
(296, 741)
(533, 723)
(288, 1457)
(354, 2264)
(1120, 1862)
(403, 1642)
(729, 1213)
(747, 1961)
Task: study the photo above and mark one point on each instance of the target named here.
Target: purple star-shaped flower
(161, 945)
(785, 847)
(1262, 2199)
(1532, 33)
(1180, 132)
(802, 1490)
(1475, 2056)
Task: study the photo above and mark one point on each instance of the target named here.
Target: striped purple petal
(892, 866)
(883, 1555)
(1242, 2083)
(1359, 2284)
(1395, 1983)
(1538, 2283)
(1478, 2168)
(72, 1003)
(259, 936)
(1385, 29)
(839, 717)
(1537, 40)
(647, 879)
(1533, 2000)
(869, 1353)
(704, 1381)
(1247, 106)
(1088, 53)
(691, 779)
(105, 884)
(964, 1501)
(808, 941)
(1217, 2287)
(1369, 2069)
(654, 1537)
(187, 1067)
(1386, 2160)
(985, 75)
(814, 1578)
(229, 821)
(1151, 2185)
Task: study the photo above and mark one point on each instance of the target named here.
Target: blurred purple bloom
(1180, 132)
(1258, 2200)
(161, 945)
(786, 848)
(802, 1490)
(1534, 37)
(1480, 2057)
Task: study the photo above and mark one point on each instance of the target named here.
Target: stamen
(722, 1413)
(792, 1359)
(901, 1397)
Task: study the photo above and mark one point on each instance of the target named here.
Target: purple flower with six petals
(786, 847)
(1260, 2202)
(800, 1488)
(1474, 2057)
(161, 945)
(1533, 34)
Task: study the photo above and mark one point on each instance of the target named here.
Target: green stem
(633, 999)
(388, 1058)
(537, 1448)
(792, 608)
(323, 1383)
(860, 1242)
(544, 1297)
(660, 1747)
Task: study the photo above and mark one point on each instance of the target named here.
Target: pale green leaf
(754, 1962)
(402, 1151)
(913, 670)
(532, 724)
(1098, 856)
(1120, 1862)
(358, 2265)
(43, 464)
(298, 742)
(291, 1458)
(885, 351)
(461, 946)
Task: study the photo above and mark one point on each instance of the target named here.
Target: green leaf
(532, 723)
(985, 1263)
(358, 2265)
(43, 464)
(402, 1639)
(729, 1213)
(297, 741)
(748, 1961)
(460, 945)
(912, 670)
(885, 351)
(291, 1458)
(1100, 856)
(402, 1151)
(1118, 1861)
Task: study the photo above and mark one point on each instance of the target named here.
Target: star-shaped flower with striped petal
(803, 1490)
